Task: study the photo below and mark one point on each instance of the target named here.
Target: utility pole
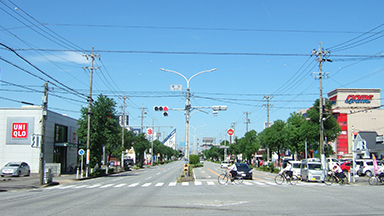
(92, 58)
(268, 124)
(247, 121)
(320, 54)
(43, 122)
(142, 117)
(123, 130)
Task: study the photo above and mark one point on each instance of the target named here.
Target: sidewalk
(33, 182)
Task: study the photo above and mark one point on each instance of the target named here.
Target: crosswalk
(182, 184)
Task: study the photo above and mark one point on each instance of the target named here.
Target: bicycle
(281, 178)
(224, 177)
(331, 177)
(375, 180)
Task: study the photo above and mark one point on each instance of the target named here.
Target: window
(61, 133)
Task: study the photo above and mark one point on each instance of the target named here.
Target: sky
(259, 48)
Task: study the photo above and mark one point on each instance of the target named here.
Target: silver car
(16, 169)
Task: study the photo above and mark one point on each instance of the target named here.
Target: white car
(366, 167)
(296, 168)
(16, 169)
(224, 164)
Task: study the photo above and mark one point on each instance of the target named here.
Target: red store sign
(19, 130)
(358, 99)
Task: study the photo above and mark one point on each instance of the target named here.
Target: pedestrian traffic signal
(163, 109)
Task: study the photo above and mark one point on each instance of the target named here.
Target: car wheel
(368, 173)
(28, 173)
(19, 173)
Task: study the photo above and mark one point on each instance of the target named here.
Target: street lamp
(195, 141)
(188, 107)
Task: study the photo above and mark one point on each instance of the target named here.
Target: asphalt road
(154, 191)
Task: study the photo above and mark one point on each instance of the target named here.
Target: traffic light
(163, 109)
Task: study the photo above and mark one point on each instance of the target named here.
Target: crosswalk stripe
(105, 186)
(81, 186)
(247, 183)
(159, 184)
(210, 183)
(198, 183)
(133, 185)
(93, 186)
(119, 185)
(146, 185)
(185, 183)
(172, 184)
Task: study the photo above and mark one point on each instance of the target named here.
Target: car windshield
(242, 166)
(296, 165)
(12, 165)
(314, 166)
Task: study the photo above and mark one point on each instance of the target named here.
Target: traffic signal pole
(188, 107)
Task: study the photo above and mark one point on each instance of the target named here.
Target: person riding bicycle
(232, 170)
(338, 172)
(380, 171)
(287, 170)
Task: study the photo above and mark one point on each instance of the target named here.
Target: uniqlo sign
(19, 130)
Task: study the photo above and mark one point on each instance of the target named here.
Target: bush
(194, 159)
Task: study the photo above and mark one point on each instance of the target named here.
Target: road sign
(149, 131)
(230, 132)
(81, 151)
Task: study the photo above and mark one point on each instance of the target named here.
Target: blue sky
(258, 48)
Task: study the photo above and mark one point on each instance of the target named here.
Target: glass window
(61, 133)
(315, 166)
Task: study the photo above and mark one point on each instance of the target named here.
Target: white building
(19, 126)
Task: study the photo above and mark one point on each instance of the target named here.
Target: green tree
(275, 137)
(104, 128)
(249, 145)
(140, 145)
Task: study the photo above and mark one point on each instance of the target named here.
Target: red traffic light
(165, 108)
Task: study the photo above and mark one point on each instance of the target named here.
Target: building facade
(355, 110)
(20, 137)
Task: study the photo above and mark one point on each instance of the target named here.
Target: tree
(140, 145)
(104, 128)
(331, 127)
(276, 137)
(296, 139)
(249, 144)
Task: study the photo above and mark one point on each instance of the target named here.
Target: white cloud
(70, 57)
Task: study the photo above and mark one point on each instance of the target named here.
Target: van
(366, 167)
(312, 171)
(296, 168)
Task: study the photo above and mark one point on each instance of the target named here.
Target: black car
(244, 170)
(129, 163)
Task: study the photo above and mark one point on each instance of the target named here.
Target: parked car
(244, 170)
(296, 168)
(332, 162)
(224, 164)
(346, 167)
(366, 166)
(15, 169)
(129, 162)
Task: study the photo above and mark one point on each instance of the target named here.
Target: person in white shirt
(232, 170)
(287, 170)
(338, 172)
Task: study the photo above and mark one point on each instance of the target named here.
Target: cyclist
(232, 171)
(287, 170)
(338, 172)
(380, 171)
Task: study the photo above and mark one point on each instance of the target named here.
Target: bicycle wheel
(372, 180)
(342, 181)
(328, 180)
(238, 180)
(294, 179)
(223, 178)
(279, 179)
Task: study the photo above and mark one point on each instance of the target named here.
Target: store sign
(358, 99)
(19, 130)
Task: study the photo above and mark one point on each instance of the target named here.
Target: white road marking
(146, 185)
(93, 186)
(159, 184)
(105, 186)
(185, 183)
(133, 185)
(198, 183)
(172, 184)
(210, 183)
(119, 185)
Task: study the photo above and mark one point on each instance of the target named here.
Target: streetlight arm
(202, 72)
(175, 73)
